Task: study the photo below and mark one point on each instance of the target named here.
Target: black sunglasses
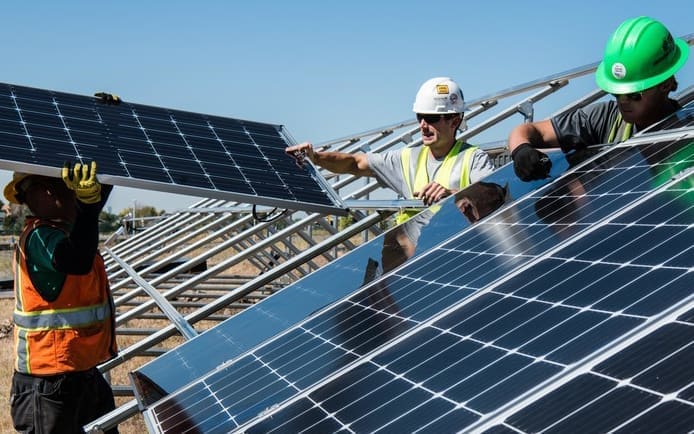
(636, 96)
(433, 118)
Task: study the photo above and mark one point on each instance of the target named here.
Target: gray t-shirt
(591, 125)
(586, 126)
(387, 168)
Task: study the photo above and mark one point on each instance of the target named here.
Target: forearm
(539, 134)
(340, 162)
(105, 193)
(75, 254)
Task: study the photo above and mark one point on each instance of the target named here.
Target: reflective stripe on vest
(62, 318)
(442, 177)
(618, 126)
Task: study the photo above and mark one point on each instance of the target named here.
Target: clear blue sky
(324, 69)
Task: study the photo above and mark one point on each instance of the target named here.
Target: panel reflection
(368, 262)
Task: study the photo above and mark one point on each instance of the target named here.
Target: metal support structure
(123, 412)
(172, 314)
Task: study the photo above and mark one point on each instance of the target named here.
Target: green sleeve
(40, 247)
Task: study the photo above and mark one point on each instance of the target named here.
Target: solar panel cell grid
(485, 377)
(137, 145)
(560, 323)
(621, 394)
(545, 346)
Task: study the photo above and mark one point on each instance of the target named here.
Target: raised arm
(538, 134)
(75, 254)
(336, 162)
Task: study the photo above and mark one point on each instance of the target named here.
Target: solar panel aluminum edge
(157, 148)
(613, 181)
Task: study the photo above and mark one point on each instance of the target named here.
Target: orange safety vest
(75, 332)
(421, 177)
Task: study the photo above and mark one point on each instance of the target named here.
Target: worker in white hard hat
(438, 169)
(431, 172)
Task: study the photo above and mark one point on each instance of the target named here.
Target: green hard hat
(640, 54)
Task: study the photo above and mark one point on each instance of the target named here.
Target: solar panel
(339, 369)
(653, 375)
(534, 327)
(491, 350)
(520, 334)
(295, 302)
(157, 148)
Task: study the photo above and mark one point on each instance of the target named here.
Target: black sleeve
(586, 126)
(75, 254)
(105, 193)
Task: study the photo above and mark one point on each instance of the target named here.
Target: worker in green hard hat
(641, 58)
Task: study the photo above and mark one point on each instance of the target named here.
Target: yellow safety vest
(618, 126)
(443, 176)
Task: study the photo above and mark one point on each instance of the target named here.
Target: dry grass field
(6, 351)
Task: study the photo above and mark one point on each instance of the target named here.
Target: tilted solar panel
(295, 302)
(454, 374)
(157, 148)
(364, 336)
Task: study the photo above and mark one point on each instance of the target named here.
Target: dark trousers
(59, 403)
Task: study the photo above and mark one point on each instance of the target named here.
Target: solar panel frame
(157, 148)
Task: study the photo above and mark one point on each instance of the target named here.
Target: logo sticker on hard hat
(442, 89)
(619, 71)
(453, 98)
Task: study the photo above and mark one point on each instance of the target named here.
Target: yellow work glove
(82, 179)
(108, 98)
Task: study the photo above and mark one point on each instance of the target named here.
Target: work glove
(108, 98)
(529, 163)
(82, 179)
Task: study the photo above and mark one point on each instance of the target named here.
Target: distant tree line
(14, 216)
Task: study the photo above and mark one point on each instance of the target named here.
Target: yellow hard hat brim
(10, 191)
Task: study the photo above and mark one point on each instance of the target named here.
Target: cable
(269, 217)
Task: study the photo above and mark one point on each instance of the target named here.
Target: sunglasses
(432, 119)
(636, 96)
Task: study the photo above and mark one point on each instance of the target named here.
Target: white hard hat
(439, 95)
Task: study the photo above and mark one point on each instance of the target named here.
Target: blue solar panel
(653, 375)
(295, 302)
(500, 345)
(157, 148)
(392, 315)
(244, 331)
